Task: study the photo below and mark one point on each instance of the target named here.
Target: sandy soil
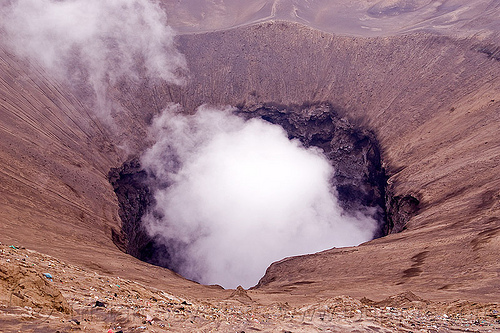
(355, 18)
(43, 294)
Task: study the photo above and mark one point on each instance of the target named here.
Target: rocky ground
(39, 293)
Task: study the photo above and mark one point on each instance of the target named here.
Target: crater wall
(433, 102)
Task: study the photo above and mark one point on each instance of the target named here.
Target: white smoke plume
(241, 195)
(93, 42)
(232, 196)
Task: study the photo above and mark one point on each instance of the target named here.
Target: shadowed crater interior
(353, 151)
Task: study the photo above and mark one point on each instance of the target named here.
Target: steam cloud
(232, 196)
(93, 42)
(238, 195)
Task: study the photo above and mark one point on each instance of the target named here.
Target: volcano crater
(353, 151)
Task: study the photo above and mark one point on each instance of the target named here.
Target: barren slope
(79, 299)
(355, 18)
(433, 102)
(55, 156)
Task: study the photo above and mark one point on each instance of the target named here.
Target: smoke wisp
(93, 43)
(232, 196)
(236, 195)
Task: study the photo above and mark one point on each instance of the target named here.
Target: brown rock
(21, 286)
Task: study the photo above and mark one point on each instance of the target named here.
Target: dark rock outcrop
(399, 211)
(134, 196)
(134, 191)
(353, 152)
